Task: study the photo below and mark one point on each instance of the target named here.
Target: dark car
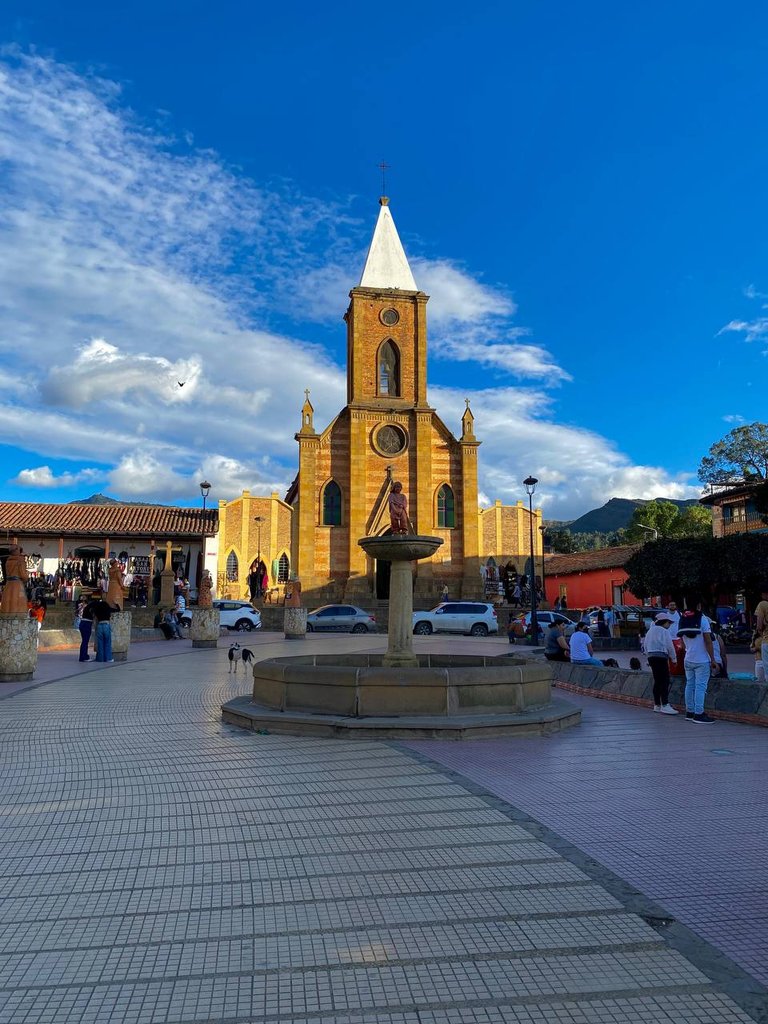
(340, 618)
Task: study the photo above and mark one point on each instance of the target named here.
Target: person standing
(672, 609)
(444, 595)
(610, 618)
(602, 626)
(580, 646)
(660, 650)
(557, 604)
(696, 631)
(102, 613)
(85, 625)
(761, 627)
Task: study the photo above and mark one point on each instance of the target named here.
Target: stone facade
(18, 648)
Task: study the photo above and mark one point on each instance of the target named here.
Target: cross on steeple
(384, 167)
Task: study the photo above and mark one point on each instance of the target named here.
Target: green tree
(561, 541)
(662, 516)
(741, 455)
(694, 521)
(703, 565)
(674, 567)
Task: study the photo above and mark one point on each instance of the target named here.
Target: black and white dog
(238, 654)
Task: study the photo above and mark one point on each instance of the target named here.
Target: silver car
(340, 618)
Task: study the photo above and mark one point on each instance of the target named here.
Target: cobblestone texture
(156, 865)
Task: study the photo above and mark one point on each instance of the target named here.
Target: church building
(387, 431)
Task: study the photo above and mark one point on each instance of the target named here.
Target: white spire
(386, 265)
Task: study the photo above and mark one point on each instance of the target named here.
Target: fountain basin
(358, 694)
(397, 547)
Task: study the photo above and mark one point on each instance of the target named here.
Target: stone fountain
(401, 550)
(368, 695)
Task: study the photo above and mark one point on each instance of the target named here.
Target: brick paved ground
(679, 810)
(158, 866)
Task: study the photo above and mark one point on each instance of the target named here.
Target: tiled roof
(161, 522)
(583, 561)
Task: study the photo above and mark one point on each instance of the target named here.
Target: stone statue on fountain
(398, 509)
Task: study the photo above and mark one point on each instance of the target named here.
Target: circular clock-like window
(389, 317)
(390, 440)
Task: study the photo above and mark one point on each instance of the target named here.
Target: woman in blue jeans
(85, 625)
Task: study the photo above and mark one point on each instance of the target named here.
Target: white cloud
(734, 418)
(577, 468)
(129, 263)
(753, 330)
(43, 477)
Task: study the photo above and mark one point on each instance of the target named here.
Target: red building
(590, 577)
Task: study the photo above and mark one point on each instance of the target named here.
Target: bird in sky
(181, 383)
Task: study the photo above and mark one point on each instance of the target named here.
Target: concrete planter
(18, 648)
(295, 623)
(205, 627)
(121, 634)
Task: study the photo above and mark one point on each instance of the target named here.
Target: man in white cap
(659, 651)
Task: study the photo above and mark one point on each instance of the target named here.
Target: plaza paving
(159, 866)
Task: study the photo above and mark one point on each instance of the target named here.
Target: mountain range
(615, 514)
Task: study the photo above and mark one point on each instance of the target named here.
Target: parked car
(340, 618)
(545, 619)
(475, 618)
(235, 615)
(633, 617)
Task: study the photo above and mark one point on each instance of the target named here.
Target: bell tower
(386, 327)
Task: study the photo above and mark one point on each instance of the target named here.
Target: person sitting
(165, 628)
(555, 644)
(170, 620)
(580, 646)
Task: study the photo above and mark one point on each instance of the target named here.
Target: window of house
(446, 507)
(233, 567)
(332, 504)
(389, 370)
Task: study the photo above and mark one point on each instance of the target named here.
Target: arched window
(446, 507)
(389, 370)
(233, 568)
(332, 504)
(283, 569)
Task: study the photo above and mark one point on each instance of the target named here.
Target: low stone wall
(358, 685)
(732, 699)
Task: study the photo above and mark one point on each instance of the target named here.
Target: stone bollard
(18, 648)
(295, 623)
(121, 634)
(205, 627)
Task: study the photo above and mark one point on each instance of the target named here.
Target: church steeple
(386, 265)
(307, 414)
(468, 424)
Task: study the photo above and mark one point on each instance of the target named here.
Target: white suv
(237, 615)
(473, 617)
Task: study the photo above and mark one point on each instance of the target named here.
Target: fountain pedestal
(400, 550)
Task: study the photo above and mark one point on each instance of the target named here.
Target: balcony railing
(744, 524)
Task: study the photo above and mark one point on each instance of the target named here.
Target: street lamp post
(530, 486)
(542, 531)
(205, 489)
(650, 529)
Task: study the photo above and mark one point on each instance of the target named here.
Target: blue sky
(187, 191)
